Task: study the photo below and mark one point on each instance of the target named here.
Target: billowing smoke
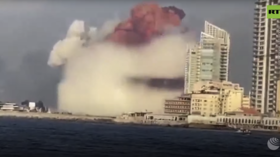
(147, 21)
(99, 72)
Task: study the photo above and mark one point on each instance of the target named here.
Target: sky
(29, 29)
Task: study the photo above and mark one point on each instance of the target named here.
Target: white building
(9, 107)
(265, 71)
(236, 120)
(32, 105)
(209, 59)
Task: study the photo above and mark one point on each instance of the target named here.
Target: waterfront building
(265, 70)
(209, 59)
(211, 98)
(238, 120)
(9, 107)
(271, 122)
(180, 105)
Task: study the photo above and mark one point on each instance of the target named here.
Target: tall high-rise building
(222, 38)
(265, 70)
(208, 60)
(192, 70)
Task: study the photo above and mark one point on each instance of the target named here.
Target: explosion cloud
(100, 63)
(147, 21)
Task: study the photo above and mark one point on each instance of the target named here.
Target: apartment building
(222, 39)
(206, 104)
(215, 97)
(278, 98)
(265, 70)
(192, 73)
(209, 59)
(180, 105)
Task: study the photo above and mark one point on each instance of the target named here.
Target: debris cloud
(99, 63)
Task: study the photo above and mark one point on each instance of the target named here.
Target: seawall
(53, 116)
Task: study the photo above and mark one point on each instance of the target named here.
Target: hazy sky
(28, 30)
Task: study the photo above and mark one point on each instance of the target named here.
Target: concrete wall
(201, 119)
(163, 117)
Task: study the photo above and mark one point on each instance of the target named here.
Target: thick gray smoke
(97, 72)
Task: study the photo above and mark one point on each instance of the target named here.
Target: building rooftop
(246, 110)
(166, 100)
(249, 111)
(155, 114)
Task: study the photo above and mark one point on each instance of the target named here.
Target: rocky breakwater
(56, 116)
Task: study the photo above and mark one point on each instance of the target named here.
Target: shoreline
(110, 120)
(38, 115)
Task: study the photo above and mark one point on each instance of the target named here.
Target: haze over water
(30, 137)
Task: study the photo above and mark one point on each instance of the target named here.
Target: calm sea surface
(33, 137)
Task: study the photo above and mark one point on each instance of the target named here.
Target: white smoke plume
(96, 72)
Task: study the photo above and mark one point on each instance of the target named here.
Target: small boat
(239, 131)
(244, 132)
(247, 132)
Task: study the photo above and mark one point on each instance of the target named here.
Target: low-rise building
(239, 119)
(271, 121)
(254, 121)
(228, 96)
(10, 107)
(180, 105)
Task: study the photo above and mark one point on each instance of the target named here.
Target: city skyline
(25, 73)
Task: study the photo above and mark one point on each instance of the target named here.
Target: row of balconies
(177, 106)
(175, 111)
